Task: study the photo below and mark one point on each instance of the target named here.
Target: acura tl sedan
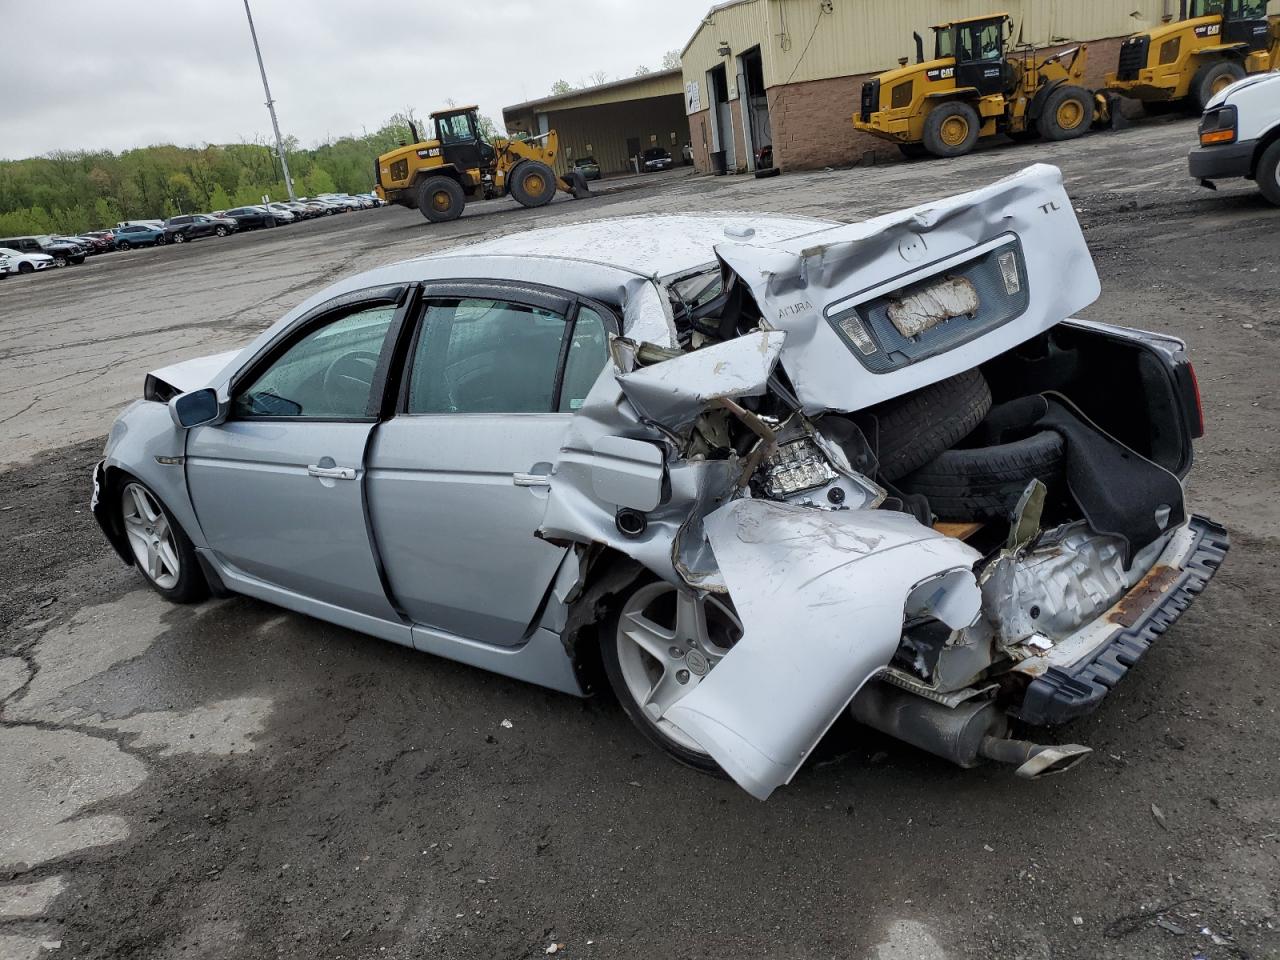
(753, 472)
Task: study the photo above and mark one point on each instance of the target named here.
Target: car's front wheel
(179, 238)
(25, 268)
(221, 231)
(161, 549)
(657, 646)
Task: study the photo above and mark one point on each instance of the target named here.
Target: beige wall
(799, 42)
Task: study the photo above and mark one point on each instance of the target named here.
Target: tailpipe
(1034, 760)
(966, 734)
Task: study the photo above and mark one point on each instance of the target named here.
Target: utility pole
(271, 105)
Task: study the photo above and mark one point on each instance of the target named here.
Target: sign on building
(692, 97)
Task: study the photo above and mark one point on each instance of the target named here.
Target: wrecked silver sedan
(759, 470)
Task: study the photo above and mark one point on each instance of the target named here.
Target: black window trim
(330, 311)
(561, 301)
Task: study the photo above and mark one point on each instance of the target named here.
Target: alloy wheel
(668, 640)
(150, 536)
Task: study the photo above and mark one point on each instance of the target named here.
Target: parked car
(251, 218)
(657, 158)
(373, 198)
(105, 235)
(587, 166)
(139, 235)
(346, 203)
(7, 265)
(193, 226)
(63, 252)
(24, 263)
(299, 209)
(281, 213)
(92, 243)
(726, 466)
(158, 224)
(1240, 135)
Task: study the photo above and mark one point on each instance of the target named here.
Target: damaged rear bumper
(1073, 678)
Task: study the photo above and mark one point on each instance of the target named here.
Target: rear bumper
(1062, 692)
(1222, 163)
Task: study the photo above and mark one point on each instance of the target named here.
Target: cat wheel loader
(438, 176)
(1213, 44)
(975, 86)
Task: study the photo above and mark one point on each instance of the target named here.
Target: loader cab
(977, 46)
(1243, 21)
(458, 133)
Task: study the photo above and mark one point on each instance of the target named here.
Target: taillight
(1192, 406)
(1218, 126)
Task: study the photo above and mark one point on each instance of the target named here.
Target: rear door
(459, 476)
(279, 487)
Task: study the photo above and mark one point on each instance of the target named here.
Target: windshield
(980, 41)
(455, 129)
(655, 153)
(1205, 8)
(1249, 9)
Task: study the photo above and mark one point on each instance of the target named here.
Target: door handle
(531, 479)
(331, 473)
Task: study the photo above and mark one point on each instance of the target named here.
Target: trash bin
(717, 162)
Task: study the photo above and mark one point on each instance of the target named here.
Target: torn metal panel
(1035, 597)
(820, 595)
(1016, 241)
(675, 392)
(646, 314)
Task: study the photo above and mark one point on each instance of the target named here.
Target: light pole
(271, 105)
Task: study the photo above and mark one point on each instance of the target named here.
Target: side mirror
(195, 409)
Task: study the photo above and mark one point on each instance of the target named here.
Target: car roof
(660, 245)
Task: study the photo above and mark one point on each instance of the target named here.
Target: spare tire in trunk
(916, 427)
(984, 483)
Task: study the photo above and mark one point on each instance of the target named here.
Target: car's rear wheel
(161, 240)
(657, 646)
(1268, 173)
(161, 549)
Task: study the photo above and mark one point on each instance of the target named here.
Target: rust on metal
(1143, 596)
(961, 531)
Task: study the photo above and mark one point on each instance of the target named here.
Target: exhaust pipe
(967, 734)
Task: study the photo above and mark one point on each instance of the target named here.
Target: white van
(1240, 135)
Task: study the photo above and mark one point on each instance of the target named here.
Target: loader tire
(913, 429)
(951, 129)
(533, 183)
(441, 199)
(1067, 114)
(1211, 79)
(985, 483)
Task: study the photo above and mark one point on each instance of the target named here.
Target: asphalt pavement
(231, 780)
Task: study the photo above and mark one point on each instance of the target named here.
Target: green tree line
(70, 192)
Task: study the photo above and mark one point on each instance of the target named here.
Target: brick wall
(812, 122)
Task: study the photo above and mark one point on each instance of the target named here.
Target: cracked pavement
(231, 780)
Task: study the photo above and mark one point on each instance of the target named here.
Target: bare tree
(642, 70)
(598, 78)
(671, 60)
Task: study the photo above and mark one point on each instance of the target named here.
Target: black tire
(440, 199)
(221, 231)
(942, 129)
(915, 428)
(609, 655)
(59, 261)
(533, 183)
(768, 172)
(1067, 113)
(191, 585)
(1210, 79)
(24, 268)
(161, 240)
(1268, 173)
(913, 151)
(179, 238)
(985, 483)
(122, 245)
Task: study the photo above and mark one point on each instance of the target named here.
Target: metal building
(785, 74)
(613, 122)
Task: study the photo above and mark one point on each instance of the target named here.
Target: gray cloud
(94, 75)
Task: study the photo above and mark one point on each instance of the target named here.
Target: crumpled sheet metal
(795, 283)
(820, 595)
(675, 392)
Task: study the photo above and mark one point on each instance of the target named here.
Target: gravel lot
(231, 780)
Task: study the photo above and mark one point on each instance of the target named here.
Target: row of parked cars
(29, 254)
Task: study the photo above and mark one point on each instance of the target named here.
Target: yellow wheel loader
(438, 176)
(976, 87)
(1213, 44)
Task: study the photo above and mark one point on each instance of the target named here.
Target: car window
(327, 374)
(485, 356)
(588, 353)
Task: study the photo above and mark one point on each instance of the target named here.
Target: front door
(980, 56)
(459, 477)
(1245, 21)
(278, 487)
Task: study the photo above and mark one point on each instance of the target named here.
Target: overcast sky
(114, 74)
